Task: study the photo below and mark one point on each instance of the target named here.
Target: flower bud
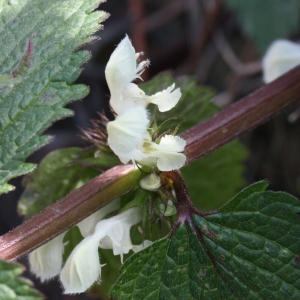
(168, 209)
(150, 182)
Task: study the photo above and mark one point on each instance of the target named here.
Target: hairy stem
(201, 139)
(242, 116)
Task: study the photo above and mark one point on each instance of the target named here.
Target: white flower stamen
(142, 66)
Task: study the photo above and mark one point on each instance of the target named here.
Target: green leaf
(13, 287)
(248, 250)
(216, 177)
(39, 42)
(60, 172)
(221, 170)
(268, 20)
(5, 188)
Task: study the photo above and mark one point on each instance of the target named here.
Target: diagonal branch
(242, 116)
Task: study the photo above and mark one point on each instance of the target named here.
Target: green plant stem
(242, 116)
(67, 212)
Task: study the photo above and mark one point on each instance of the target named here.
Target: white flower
(166, 99)
(281, 57)
(87, 225)
(83, 266)
(128, 134)
(166, 155)
(121, 69)
(129, 139)
(46, 261)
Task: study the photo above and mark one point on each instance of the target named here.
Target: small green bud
(150, 182)
(168, 209)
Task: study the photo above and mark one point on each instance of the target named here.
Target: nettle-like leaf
(221, 170)
(39, 62)
(249, 249)
(268, 20)
(13, 287)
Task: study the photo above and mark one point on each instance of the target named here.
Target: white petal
(169, 161)
(172, 143)
(166, 99)
(133, 96)
(126, 132)
(83, 267)
(114, 232)
(120, 70)
(46, 261)
(121, 67)
(167, 155)
(281, 57)
(88, 225)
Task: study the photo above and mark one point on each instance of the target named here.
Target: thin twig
(231, 59)
(164, 14)
(138, 28)
(210, 19)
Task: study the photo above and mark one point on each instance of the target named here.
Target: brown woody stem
(201, 139)
(242, 116)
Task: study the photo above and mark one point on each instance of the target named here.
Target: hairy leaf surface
(249, 249)
(13, 287)
(39, 62)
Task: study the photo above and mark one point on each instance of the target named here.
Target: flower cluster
(128, 134)
(129, 138)
(83, 267)
(281, 57)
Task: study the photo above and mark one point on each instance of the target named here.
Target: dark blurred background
(221, 44)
